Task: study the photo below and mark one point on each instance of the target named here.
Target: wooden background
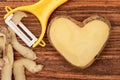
(106, 67)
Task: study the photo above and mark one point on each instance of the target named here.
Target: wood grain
(106, 67)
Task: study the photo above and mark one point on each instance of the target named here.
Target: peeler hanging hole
(8, 8)
(42, 43)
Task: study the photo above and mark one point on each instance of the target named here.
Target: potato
(79, 42)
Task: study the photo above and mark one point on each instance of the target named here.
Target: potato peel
(18, 16)
(7, 68)
(20, 65)
(8, 41)
(24, 51)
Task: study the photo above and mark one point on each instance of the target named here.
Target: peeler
(42, 10)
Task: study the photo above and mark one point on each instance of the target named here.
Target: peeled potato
(79, 42)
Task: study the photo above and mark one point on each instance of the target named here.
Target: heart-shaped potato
(79, 42)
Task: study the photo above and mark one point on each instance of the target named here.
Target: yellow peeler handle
(42, 10)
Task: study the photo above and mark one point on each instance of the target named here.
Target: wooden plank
(106, 67)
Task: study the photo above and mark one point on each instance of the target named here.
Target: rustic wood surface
(106, 67)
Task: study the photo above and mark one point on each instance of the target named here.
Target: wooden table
(106, 67)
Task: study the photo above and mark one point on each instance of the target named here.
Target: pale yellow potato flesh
(79, 45)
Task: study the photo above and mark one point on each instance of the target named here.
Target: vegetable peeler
(42, 10)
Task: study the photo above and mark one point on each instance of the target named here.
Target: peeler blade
(29, 41)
